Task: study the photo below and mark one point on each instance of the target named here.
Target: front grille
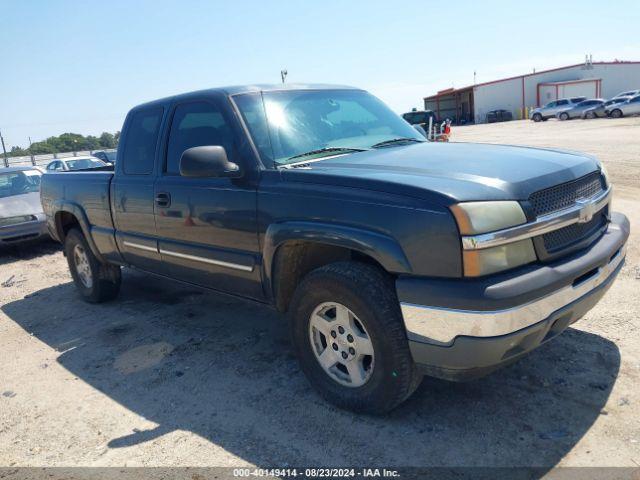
(565, 195)
(565, 237)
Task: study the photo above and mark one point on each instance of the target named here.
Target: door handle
(163, 199)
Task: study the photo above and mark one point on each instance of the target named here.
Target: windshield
(19, 183)
(287, 125)
(84, 163)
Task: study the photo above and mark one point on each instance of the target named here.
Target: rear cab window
(141, 139)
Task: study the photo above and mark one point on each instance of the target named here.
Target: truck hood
(449, 172)
(25, 204)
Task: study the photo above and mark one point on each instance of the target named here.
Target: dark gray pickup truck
(394, 257)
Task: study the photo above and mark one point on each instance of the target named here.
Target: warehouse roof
(449, 91)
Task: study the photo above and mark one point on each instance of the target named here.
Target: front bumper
(464, 328)
(23, 231)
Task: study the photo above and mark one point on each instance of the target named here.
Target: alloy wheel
(341, 344)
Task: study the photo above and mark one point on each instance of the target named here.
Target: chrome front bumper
(443, 325)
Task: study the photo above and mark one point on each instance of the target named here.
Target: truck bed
(82, 190)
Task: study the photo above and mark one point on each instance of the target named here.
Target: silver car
(630, 107)
(577, 110)
(603, 109)
(630, 93)
(21, 215)
(551, 108)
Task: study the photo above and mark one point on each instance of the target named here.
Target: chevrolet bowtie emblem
(587, 210)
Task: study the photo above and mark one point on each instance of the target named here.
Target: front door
(207, 227)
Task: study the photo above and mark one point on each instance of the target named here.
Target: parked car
(551, 108)
(630, 107)
(21, 215)
(393, 256)
(107, 156)
(420, 117)
(602, 110)
(630, 93)
(578, 109)
(499, 116)
(75, 163)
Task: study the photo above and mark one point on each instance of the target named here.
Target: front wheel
(97, 282)
(537, 117)
(349, 337)
(617, 113)
(564, 116)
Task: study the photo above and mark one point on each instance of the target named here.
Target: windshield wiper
(395, 141)
(327, 150)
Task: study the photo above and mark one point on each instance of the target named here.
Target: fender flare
(78, 212)
(382, 248)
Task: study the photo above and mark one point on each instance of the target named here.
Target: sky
(79, 66)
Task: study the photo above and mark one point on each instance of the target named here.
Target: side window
(551, 104)
(634, 100)
(563, 102)
(140, 143)
(196, 124)
(51, 166)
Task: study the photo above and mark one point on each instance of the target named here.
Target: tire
(616, 113)
(97, 282)
(590, 115)
(373, 314)
(537, 117)
(564, 116)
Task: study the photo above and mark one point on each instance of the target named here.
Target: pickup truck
(393, 257)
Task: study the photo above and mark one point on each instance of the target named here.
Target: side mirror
(207, 161)
(421, 130)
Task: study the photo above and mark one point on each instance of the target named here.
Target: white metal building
(520, 94)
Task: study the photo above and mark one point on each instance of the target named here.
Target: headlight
(474, 218)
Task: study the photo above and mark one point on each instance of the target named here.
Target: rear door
(633, 106)
(207, 227)
(561, 105)
(132, 189)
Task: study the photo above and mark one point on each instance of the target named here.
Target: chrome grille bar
(581, 212)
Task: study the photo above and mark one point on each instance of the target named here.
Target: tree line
(68, 142)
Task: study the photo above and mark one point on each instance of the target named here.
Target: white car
(630, 107)
(74, 163)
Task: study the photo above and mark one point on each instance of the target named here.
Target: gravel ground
(173, 376)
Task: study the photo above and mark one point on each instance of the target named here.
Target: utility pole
(33, 158)
(6, 160)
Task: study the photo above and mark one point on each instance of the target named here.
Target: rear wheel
(590, 115)
(537, 117)
(617, 113)
(97, 282)
(350, 339)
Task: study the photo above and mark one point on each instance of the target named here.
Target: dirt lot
(169, 375)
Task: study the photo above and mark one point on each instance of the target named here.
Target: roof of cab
(239, 89)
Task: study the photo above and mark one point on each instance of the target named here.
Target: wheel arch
(292, 249)
(69, 215)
